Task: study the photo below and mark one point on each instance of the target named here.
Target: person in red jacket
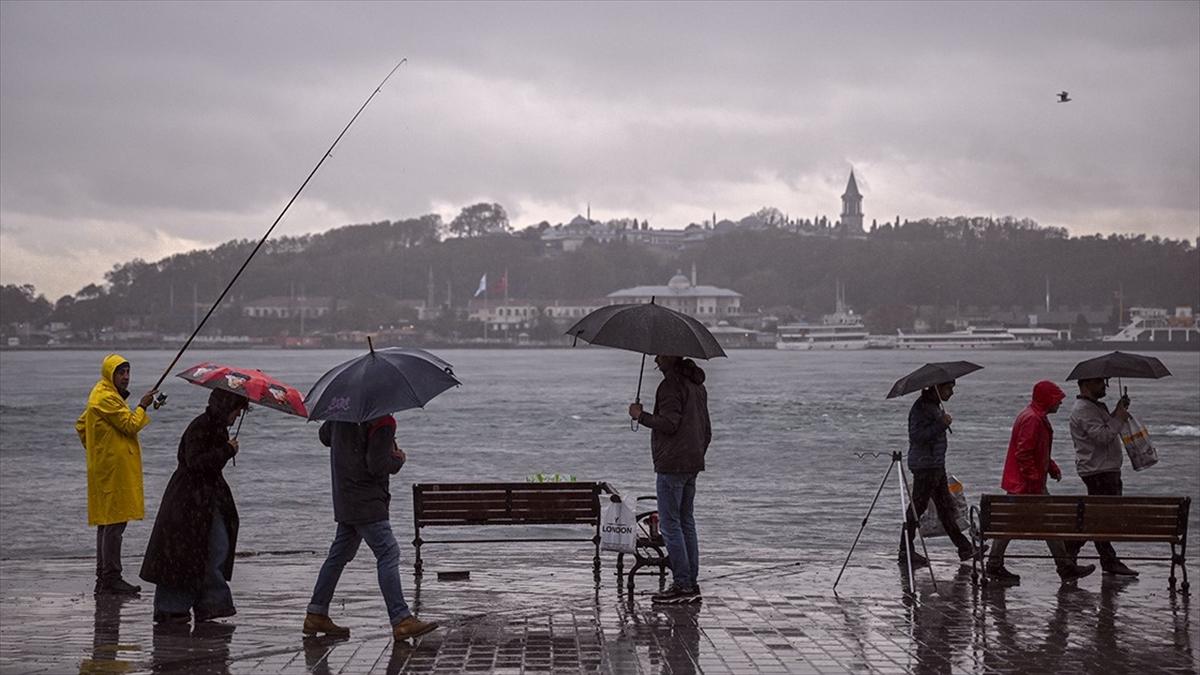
(1025, 470)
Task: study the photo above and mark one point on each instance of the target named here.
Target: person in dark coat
(679, 438)
(362, 459)
(927, 426)
(190, 553)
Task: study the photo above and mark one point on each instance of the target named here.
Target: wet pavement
(521, 613)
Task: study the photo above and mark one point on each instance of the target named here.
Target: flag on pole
(502, 284)
(482, 286)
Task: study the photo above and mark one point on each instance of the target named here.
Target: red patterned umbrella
(255, 385)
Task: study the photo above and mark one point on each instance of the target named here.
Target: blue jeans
(379, 537)
(676, 501)
(213, 596)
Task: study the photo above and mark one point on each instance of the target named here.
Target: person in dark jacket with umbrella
(191, 549)
(927, 426)
(362, 459)
(679, 438)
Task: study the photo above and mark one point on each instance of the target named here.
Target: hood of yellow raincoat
(109, 366)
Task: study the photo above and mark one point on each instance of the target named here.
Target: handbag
(618, 527)
(1136, 440)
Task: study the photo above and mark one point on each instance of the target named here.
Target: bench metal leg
(596, 559)
(417, 566)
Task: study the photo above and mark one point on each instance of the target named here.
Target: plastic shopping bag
(931, 525)
(1137, 443)
(618, 528)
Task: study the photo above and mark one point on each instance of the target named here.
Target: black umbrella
(1119, 364)
(379, 383)
(649, 329)
(931, 374)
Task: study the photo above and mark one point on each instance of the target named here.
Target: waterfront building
(709, 304)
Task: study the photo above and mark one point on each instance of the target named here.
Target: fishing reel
(159, 400)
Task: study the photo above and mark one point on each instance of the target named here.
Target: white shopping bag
(931, 525)
(618, 528)
(1136, 440)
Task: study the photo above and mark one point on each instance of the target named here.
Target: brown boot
(411, 627)
(319, 623)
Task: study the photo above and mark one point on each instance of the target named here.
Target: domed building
(709, 304)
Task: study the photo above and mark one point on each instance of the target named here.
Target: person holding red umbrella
(191, 549)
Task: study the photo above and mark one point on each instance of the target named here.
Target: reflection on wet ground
(529, 615)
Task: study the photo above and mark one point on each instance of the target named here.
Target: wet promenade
(519, 613)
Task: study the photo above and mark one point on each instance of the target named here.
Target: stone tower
(852, 213)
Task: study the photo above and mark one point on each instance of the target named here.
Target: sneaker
(693, 595)
(674, 594)
(1075, 572)
(212, 616)
(117, 586)
(1001, 573)
(320, 623)
(412, 627)
(1119, 569)
(171, 618)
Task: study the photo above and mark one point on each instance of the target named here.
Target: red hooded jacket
(1028, 461)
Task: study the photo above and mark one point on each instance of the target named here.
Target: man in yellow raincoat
(108, 430)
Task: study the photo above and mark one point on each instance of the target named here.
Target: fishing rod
(328, 153)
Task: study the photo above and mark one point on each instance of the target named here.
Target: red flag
(502, 285)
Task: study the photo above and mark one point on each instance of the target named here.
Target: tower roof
(852, 187)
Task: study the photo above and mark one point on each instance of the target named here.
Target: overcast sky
(141, 130)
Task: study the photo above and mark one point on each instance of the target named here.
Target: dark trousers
(1108, 483)
(108, 551)
(931, 484)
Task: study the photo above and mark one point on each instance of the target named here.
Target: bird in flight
(1063, 97)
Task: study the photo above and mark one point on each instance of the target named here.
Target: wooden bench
(1074, 518)
(464, 504)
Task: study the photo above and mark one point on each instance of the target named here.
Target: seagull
(1063, 97)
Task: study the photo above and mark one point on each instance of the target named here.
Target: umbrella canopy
(649, 329)
(931, 374)
(378, 383)
(1119, 364)
(255, 385)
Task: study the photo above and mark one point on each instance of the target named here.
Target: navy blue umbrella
(379, 383)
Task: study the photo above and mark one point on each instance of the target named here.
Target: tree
(480, 219)
(22, 304)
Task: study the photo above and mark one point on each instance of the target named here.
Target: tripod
(905, 498)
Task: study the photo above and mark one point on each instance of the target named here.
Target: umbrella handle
(241, 418)
(940, 406)
(637, 398)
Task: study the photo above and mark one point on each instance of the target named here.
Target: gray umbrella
(381, 382)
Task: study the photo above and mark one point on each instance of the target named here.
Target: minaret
(852, 213)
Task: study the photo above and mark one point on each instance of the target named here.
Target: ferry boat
(1153, 328)
(843, 329)
(971, 338)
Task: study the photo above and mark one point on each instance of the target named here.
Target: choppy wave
(1181, 430)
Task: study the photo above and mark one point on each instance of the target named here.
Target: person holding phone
(1099, 453)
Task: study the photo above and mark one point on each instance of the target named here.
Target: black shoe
(212, 616)
(967, 554)
(674, 595)
(118, 586)
(1075, 572)
(1119, 568)
(1000, 573)
(171, 618)
(918, 560)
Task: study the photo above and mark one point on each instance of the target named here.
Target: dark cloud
(181, 124)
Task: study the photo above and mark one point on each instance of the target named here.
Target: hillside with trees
(368, 268)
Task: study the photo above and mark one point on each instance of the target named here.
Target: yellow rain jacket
(108, 430)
